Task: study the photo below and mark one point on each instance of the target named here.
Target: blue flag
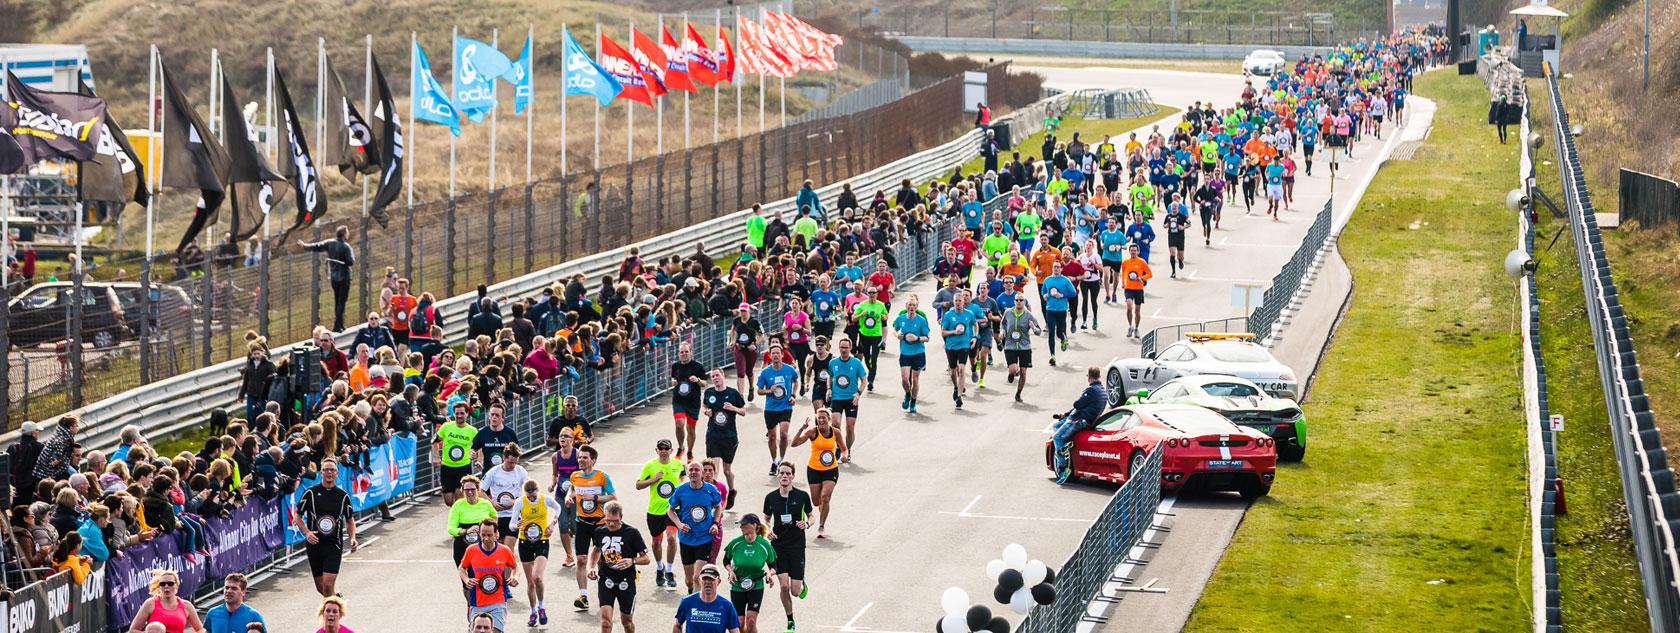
(477, 66)
(519, 74)
(434, 105)
(585, 77)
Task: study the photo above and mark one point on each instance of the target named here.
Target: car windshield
(39, 298)
(1230, 390)
(1239, 353)
(1188, 417)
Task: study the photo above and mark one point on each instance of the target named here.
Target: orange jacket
(1133, 273)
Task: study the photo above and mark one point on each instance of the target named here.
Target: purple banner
(238, 542)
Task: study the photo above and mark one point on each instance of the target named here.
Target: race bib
(786, 519)
(722, 418)
(587, 505)
(1132, 276)
(623, 585)
(960, 328)
(779, 392)
(326, 525)
(826, 458)
(747, 584)
(843, 381)
(402, 316)
(683, 388)
(743, 339)
(490, 583)
(471, 536)
(1113, 248)
(824, 306)
(457, 453)
(1015, 335)
(504, 498)
(665, 489)
(696, 514)
(532, 532)
(869, 322)
(1055, 293)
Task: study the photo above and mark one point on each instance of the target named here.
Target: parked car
(1243, 402)
(1265, 62)
(1203, 450)
(1199, 353)
(172, 308)
(40, 314)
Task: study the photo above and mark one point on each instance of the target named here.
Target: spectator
(253, 381)
(486, 322)
(374, 335)
(340, 257)
(93, 531)
(54, 460)
(808, 202)
(68, 557)
(127, 439)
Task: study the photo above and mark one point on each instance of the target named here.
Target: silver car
(1227, 354)
(1264, 62)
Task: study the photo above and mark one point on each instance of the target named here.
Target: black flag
(298, 167)
(250, 177)
(192, 158)
(350, 143)
(12, 159)
(48, 125)
(115, 173)
(390, 148)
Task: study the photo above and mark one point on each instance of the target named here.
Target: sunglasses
(166, 583)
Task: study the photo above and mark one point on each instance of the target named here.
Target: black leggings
(1055, 323)
(869, 348)
(1088, 290)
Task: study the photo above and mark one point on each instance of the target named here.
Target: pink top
(341, 629)
(791, 319)
(173, 620)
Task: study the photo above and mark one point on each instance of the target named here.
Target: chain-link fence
(990, 20)
(196, 313)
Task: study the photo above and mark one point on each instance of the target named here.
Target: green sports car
(1244, 403)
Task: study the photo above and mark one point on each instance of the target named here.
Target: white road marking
(970, 506)
(850, 624)
(1192, 277)
(1008, 517)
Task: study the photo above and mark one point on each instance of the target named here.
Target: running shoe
(912, 406)
(959, 402)
(581, 603)
(688, 455)
(542, 616)
(981, 383)
(804, 590)
(1064, 345)
(1018, 398)
(772, 469)
(532, 621)
(1063, 475)
(731, 504)
(905, 403)
(1052, 361)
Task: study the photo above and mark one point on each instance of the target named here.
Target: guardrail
(1123, 103)
(1542, 442)
(1105, 546)
(1647, 481)
(1115, 50)
(168, 406)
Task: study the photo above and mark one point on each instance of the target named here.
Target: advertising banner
(57, 605)
(389, 472)
(237, 543)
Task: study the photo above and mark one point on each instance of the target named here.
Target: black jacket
(340, 257)
(375, 338)
(485, 323)
(254, 378)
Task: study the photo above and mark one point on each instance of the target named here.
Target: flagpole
(717, 95)
(597, 101)
(734, 76)
(783, 89)
(413, 98)
(563, 75)
(454, 57)
(321, 95)
(367, 101)
(630, 121)
(495, 42)
(215, 130)
(659, 115)
(687, 141)
(268, 115)
(154, 147)
(531, 100)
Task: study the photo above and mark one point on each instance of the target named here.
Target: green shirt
(1026, 225)
(750, 562)
(995, 246)
(807, 227)
(659, 499)
(870, 316)
(457, 444)
(1057, 186)
(1141, 194)
(469, 514)
(755, 231)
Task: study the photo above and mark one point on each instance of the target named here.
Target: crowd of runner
(1070, 234)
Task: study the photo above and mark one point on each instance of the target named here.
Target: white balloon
(955, 602)
(955, 623)
(995, 568)
(1015, 555)
(1034, 572)
(1022, 601)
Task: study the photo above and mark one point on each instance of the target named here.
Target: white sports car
(1226, 354)
(1264, 62)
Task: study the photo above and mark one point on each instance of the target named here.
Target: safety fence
(1647, 199)
(199, 317)
(1125, 103)
(1280, 300)
(57, 604)
(984, 20)
(1542, 441)
(858, 99)
(1092, 565)
(1648, 484)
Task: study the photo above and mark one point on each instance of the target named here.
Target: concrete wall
(1065, 48)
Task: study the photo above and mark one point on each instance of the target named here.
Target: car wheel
(1289, 450)
(104, 339)
(1254, 489)
(1116, 386)
(1133, 464)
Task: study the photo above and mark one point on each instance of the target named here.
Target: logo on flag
(677, 76)
(650, 59)
(519, 74)
(584, 76)
(621, 66)
(434, 105)
(702, 61)
(477, 65)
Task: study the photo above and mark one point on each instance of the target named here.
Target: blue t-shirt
(1274, 174)
(1058, 285)
(1113, 246)
(219, 620)
(1005, 300)
(699, 616)
(973, 212)
(694, 507)
(780, 383)
(823, 303)
(846, 377)
(955, 320)
(1139, 232)
(849, 273)
(912, 324)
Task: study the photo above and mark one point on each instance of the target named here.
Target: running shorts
(1175, 239)
(451, 477)
(621, 594)
(504, 527)
(686, 414)
(1275, 192)
(819, 392)
(745, 601)
(955, 358)
(1018, 357)
(657, 524)
(983, 338)
(692, 554)
(583, 536)
(529, 551)
(773, 418)
(916, 362)
(790, 559)
(723, 449)
(846, 407)
(823, 327)
(1307, 148)
(497, 612)
(324, 556)
(1113, 264)
(1135, 296)
(815, 476)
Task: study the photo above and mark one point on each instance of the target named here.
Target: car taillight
(1172, 442)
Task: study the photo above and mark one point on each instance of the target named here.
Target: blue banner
(389, 472)
(237, 543)
(519, 74)
(477, 66)
(434, 105)
(585, 77)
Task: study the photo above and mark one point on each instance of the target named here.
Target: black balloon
(1049, 574)
(978, 617)
(1002, 594)
(1011, 579)
(997, 625)
(1044, 593)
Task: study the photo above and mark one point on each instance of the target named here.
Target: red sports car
(1204, 451)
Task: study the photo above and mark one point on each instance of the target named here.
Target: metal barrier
(1124, 103)
(1183, 28)
(1172, 333)
(1647, 481)
(57, 604)
(1647, 199)
(1092, 565)
(1542, 447)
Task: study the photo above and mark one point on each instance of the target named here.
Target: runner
(823, 469)
(689, 379)
(1015, 335)
(591, 489)
(487, 570)
(788, 509)
(913, 330)
(1207, 200)
(1176, 222)
(797, 325)
(848, 373)
(694, 509)
(1136, 273)
(503, 485)
(663, 474)
(778, 383)
(453, 449)
(957, 328)
(823, 304)
(1058, 290)
(537, 514)
(722, 404)
(882, 281)
(748, 558)
(465, 515)
(1112, 241)
(708, 474)
(618, 550)
(565, 463)
(704, 611)
(744, 335)
(1141, 235)
(1274, 189)
(871, 316)
(327, 523)
(1026, 228)
(488, 443)
(1090, 283)
(819, 373)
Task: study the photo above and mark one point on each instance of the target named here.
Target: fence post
(209, 286)
(145, 333)
(994, 19)
(716, 169)
(6, 357)
(629, 205)
(531, 228)
(659, 199)
(593, 212)
(314, 285)
(449, 248)
(1070, 24)
(763, 162)
(408, 245)
(740, 172)
(1032, 23)
(947, 20)
(688, 187)
(1105, 24)
(263, 286)
(490, 236)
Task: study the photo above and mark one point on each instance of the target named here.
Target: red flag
(759, 54)
(800, 52)
(624, 68)
(822, 43)
(677, 73)
(651, 60)
(702, 61)
(725, 55)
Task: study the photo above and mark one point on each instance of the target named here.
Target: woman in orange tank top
(823, 470)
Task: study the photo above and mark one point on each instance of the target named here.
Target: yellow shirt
(535, 517)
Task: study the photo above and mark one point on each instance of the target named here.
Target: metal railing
(1123, 103)
(995, 21)
(1092, 565)
(1647, 481)
(1542, 442)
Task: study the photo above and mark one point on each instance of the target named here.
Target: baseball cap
(744, 306)
(30, 427)
(663, 445)
(711, 570)
(750, 519)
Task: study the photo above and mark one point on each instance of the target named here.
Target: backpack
(421, 323)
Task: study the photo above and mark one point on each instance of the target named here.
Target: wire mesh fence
(989, 20)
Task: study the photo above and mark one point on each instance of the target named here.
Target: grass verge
(1409, 513)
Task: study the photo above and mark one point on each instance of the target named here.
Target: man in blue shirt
(233, 614)
(1274, 190)
(913, 329)
(1111, 241)
(847, 375)
(973, 212)
(823, 303)
(705, 611)
(957, 326)
(778, 383)
(1141, 234)
(850, 272)
(1057, 290)
(694, 510)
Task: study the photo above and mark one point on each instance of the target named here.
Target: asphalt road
(929, 499)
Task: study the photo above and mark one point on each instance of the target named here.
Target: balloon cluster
(962, 617)
(1021, 583)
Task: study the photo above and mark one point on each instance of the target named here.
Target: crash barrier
(1089, 32)
(1282, 298)
(1092, 565)
(57, 604)
(1546, 595)
(1647, 199)
(1647, 481)
(1125, 103)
